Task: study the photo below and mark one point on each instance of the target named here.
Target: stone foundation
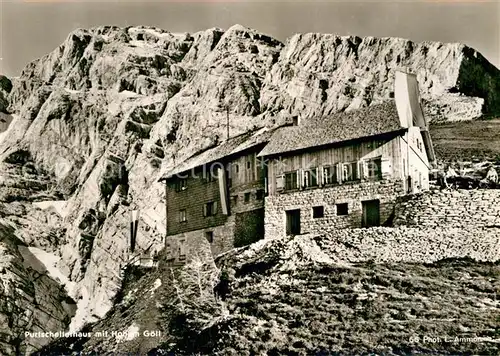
(223, 240)
(353, 194)
(249, 227)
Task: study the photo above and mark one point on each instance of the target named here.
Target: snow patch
(156, 285)
(7, 127)
(254, 248)
(59, 206)
(129, 334)
(50, 262)
(82, 312)
(72, 91)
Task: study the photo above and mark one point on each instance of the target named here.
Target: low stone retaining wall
(411, 244)
(458, 208)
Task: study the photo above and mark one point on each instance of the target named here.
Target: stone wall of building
(412, 244)
(351, 193)
(249, 227)
(458, 208)
(223, 240)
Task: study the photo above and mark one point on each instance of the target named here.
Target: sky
(30, 29)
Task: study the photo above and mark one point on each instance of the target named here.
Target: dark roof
(228, 148)
(345, 126)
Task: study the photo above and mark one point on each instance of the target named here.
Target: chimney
(407, 97)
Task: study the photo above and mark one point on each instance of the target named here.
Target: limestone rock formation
(96, 122)
(30, 299)
(320, 74)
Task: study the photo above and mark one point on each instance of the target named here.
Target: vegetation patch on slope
(467, 140)
(289, 297)
(293, 297)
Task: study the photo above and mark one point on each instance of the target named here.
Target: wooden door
(371, 213)
(293, 222)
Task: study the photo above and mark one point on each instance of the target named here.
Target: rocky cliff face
(31, 299)
(95, 122)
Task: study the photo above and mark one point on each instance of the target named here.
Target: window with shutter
(310, 178)
(349, 171)
(326, 176)
(373, 168)
(386, 168)
(292, 180)
(359, 170)
(211, 174)
(181, 185)
(338, 170)
(210, 208)
(280, 182)
(182, 215)
(329, 175)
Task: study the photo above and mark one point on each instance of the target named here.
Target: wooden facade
(416, 166)
(188, 197)
(350, 184)
(221, 201)
(386, 148)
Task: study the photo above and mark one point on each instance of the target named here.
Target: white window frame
(368, 171)
(308, 177)
(182, 215)
(297, 180)
(355, 175)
